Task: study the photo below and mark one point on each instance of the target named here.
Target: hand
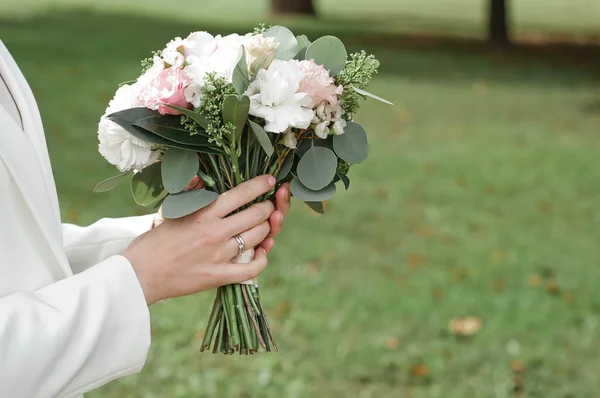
(282, 206)
(193, 253)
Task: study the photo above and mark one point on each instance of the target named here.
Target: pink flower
(318, 84)
(166, 88)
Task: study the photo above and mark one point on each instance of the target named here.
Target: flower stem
(242, 315)
(215, 314)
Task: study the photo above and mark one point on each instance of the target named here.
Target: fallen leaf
(415, 260)
(497, 256)
(534, 280)
(393, 343)
(466, 326)
(419, 370)
(517, 366)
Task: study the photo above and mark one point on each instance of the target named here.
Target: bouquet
(225, 109)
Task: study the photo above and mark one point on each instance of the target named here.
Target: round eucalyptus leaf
(328, 51)
(352, 146)
(317, 168)
(182, 204)
(285, 168)
(178, 169)
(317, 207)
(146, 185)
(308, 195)
(288, 45)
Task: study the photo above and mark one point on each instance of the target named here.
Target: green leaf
(178, 169)
(131, 115)
(110, 183)
(352, 146)
(345, 180)
(240, 77)
(328, 51)
(235, 110)
(285, 168)
(168, 127)
(306, 144)
(368, 94)
(182, 204)
(316, 207)
(126, 82)
(303, 44)
(262, 137)
(308, 195)
(195, 116)
(317, 168)
(146, 185)
(288, 46)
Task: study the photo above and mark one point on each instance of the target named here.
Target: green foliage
(148, 62)
(358, 72)
(261, 28)
(328, 51)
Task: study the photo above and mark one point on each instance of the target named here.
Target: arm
(74, 335)
(86, 246)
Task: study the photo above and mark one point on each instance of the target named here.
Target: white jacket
(72, 312)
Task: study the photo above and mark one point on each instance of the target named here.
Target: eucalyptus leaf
(285, 168)
(195, 116)
(317, 207)
(146, 185)
(328, 51)
(258, 65)
(345, 180)
(317, 168)
(262, 137)
(110, 183)
(352, 146)
(303, 44)
(288, 46)
(182, 204)
(240, 78)
(235, 110)
(308, 195)
(368, 94)
(178, 169)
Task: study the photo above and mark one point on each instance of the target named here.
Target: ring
(241, 243)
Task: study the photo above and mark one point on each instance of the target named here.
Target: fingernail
(272, 181)
(280, 218)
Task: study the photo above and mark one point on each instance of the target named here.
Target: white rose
(338, 127)
(274, 97)
(118, 146)
(322, 130)
(289, 139)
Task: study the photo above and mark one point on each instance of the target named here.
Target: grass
(480, 198)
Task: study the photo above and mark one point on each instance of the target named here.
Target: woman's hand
(194, 253)
(282, 206)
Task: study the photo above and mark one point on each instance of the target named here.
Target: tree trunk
(498, 22)
(304, 7)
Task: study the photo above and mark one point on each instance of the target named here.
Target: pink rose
(166, 88)
(318, 84)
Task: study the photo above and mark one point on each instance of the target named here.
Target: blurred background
(463, 261)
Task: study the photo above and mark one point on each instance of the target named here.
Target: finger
(252, 238)
(248, 218)
(242, 194)
(236, 273)
(268, 244)
(282, 199)
(276, 221)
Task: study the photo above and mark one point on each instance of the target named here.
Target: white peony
(172, 55)
(116, 144)
(207, 54)
(274, 97)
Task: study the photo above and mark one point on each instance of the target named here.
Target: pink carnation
(318, 84)
(166, 88)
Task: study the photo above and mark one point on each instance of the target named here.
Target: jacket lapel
(26, 156)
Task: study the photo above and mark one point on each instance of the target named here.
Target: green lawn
(480, 198)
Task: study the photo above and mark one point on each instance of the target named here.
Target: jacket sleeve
(74, 335)
(86, 246)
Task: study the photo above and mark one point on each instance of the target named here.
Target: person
(74, 300)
